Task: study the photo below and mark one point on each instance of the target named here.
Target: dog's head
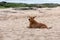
(31, 18)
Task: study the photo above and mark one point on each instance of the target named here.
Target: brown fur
(35, 24)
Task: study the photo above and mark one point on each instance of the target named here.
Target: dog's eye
(29, 19)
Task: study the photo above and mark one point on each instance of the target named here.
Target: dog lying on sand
(35, 24)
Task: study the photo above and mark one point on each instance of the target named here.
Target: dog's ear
(29, 16)
(34, 17)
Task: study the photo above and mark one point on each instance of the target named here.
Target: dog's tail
(49, 27)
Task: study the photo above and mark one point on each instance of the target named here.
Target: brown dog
(35, 24)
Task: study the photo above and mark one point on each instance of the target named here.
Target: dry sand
(14, 23)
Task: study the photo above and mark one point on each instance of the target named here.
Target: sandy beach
(14, 24)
